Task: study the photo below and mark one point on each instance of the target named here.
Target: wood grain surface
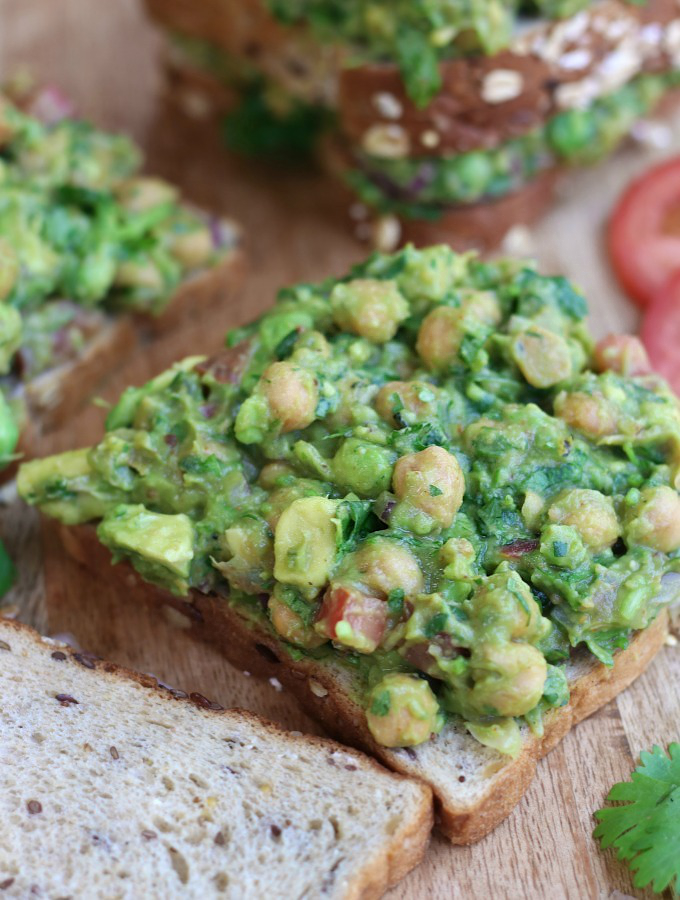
(105, 56)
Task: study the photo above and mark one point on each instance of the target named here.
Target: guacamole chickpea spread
(423, 471)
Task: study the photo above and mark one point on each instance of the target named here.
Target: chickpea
(289, 625)
(509, 678)
(369, 308)
(621, 353)
(655, 520)
(440, 337)
(402, 711)
(193, 249)
(141, 194)
(415, 401)
(591, 514)
(383, 565)
(542, 356)
(9, 269)
(442, 330)
(363, 467)
(139, 274)
(589, 413)
(505, 606)
(292, 395)
(272, 472)
(432, 481)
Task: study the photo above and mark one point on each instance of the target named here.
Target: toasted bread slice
(156, 793)
(475, 787)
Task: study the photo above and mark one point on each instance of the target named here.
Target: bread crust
(324, 692)
(407, 845)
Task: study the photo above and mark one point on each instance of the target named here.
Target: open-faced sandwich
(91, 251)
(419, 496)
(452, 120)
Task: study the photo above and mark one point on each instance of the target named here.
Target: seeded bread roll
(115, 787)
(475, 787)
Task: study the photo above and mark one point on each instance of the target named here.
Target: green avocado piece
(64, 487)
(159, 546)
(305, 543)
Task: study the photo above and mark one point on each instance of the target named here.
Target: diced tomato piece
(644, 232)
(353, 619)
(661, 332)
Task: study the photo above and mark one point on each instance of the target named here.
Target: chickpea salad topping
(82, 231)
(425, 471)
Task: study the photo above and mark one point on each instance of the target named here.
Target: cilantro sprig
(645, 827)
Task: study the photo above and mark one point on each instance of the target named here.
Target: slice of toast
(475, 787)
(113, 786)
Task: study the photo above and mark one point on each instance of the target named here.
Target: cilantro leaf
(645, 829)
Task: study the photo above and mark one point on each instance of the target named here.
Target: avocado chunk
(306, 542)
(65, 487)
(159, 546)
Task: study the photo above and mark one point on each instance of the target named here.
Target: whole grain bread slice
(113, 786)
(475, 787)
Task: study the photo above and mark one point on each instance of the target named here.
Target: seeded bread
(475, 787)
(115, 787)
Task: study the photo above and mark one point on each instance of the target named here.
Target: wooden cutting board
(105, 57)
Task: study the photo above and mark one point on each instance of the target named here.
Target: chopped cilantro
(435, 491)
(381, 704)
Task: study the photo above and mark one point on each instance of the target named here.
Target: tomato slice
(661, 332)
(644, 232)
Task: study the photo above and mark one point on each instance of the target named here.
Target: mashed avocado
(413, 470)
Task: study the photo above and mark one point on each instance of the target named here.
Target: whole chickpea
(439, 337)
(289, 625)
(589, 413)
(370, 308)
(591, 513)
(384, 565)
(432, 481)
(141, 194)
(442, 330)
(622, 353)
(292, 395)
(542, 356)
(509, 678)
(402, 711)
(272, 472)
(192, 249)
(655, 520)
(416, 400)
(505, 606)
